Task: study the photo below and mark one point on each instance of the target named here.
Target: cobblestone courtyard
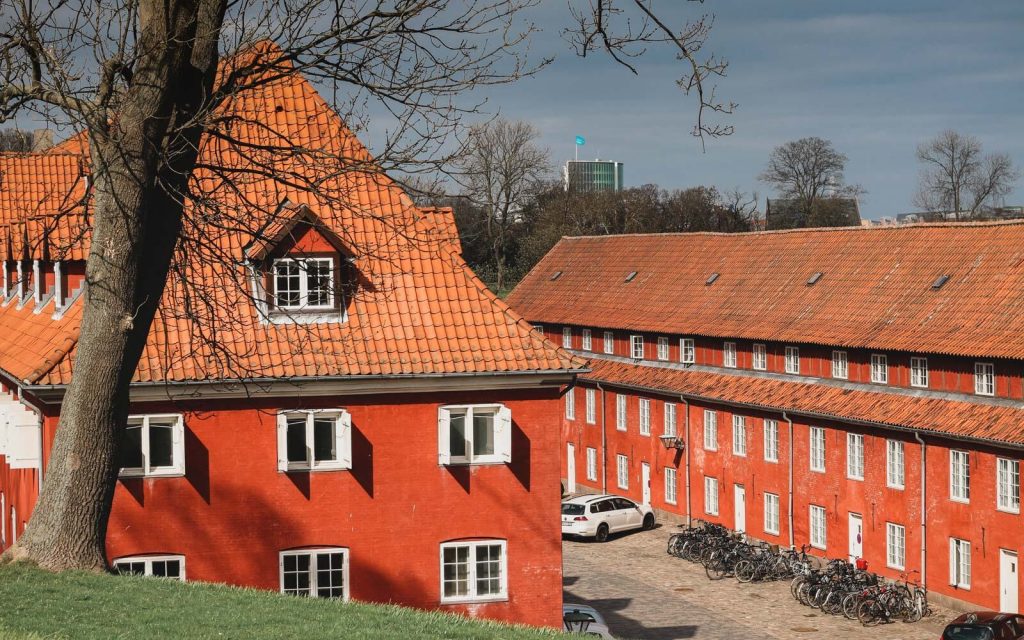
(646, 594)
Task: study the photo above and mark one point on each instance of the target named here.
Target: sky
(876, 78)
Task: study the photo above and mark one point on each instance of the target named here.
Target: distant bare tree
(957, 178)
(15, 140)
(807, 169)
(500, 170)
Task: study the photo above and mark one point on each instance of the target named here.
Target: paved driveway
(645, 593)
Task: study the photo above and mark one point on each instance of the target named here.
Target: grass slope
(37, 605)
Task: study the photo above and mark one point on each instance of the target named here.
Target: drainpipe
(686, 447)
(604, 443)
(786, 418)
(924, 506)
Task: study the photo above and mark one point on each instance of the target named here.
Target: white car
(597, 516)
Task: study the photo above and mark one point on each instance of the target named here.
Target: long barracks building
(857, 390)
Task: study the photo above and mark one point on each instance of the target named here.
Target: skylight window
(556, 275)
(814, 278)
(629, 278)
(711, 279)
(941, 280)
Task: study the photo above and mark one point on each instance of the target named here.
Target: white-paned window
(567, 337)
(817, 449)
(760, 357)
(919, 372)
(1008, 485)
(895, 546)
(314, 440)
(894, 468)
(739, 435)
(771, 513)
(855, 456)
(153, 446)
(620, 412)
(670, 485)
(711, 496)
(156, 566)
(475, 571)
(670, 419)
(609, 342)
(710, 430)
(474, 434)
(729, 355)
(622, 467)
(984, 378)
(771, 441)
(636, 347)
(315, 573)
(687, 353)
(793, 360)
(590, 400)
(959, 476)
(840, 365)
(591, 463)
(645, 417)
(588, 341)
(302, 284)
(662, 348)
(960, 563)
(570, 404)
(818, 534)
(879, 368)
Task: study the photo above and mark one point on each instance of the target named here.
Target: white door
(856, 537)
(740, 502)
(570, 472)
(645, 481)
(1008, 581)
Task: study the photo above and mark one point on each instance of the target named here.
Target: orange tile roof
(997, 423)
(875, 292)
(42, 211)
(418, 310)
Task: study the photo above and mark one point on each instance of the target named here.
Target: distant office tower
(593, 175)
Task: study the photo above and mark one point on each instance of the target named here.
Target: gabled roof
(876, 288)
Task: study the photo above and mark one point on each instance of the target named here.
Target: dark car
(985, 625)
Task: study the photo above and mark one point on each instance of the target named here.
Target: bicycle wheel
(794, 585)
(869, 612)
(850, 603)
(744, 571)
(715, 569)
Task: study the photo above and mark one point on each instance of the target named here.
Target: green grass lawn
(36, 605)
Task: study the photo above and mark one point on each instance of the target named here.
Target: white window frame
(591, 463)
(669, 428)
(303, 304)
(312, 553)
(771, 440)
(710, 430)
(855, 456)
(671, 489)
(793, 360)
(759, 357)
(1008, 485)
(895, 546)
(342, 437)
(177, 467)
(919, 372)
(879, 368)
(818, 527)
(687, 351)
(471, 576)
(567, 337)
(771, 513)
(588, 340)
(645, 416)
(959, 476)
(663, 349)
(729, 355)
(590, 397)
(621, 409)
(502, 435)
(739, 435)
(984, 378)
(711, 495)
(636, 347)
(622, 471)
(570, 403)
(609, 342)
(840, 365)
(960, 563)
(149, 560)
(895, 464)
(816, 446)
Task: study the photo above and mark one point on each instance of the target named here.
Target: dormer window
(304, 284)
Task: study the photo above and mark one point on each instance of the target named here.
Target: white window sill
(818, 547)
(897, 568)
(176, 473)
(646, 434)
(895, 487)
(591, 421)
(817, 471)
(772, 461)
(305, 468)
(860, 479)
(711, 450)
(672, 502)
(960, 500)
(708, 513)
(739, 454)
(771, 533)
(473, 463)
(499, 598)
(1008, 510)
(961, 587)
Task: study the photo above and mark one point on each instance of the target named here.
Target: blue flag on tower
(580, 141)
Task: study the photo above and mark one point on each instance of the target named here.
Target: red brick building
(370, 421)
(858, 390)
